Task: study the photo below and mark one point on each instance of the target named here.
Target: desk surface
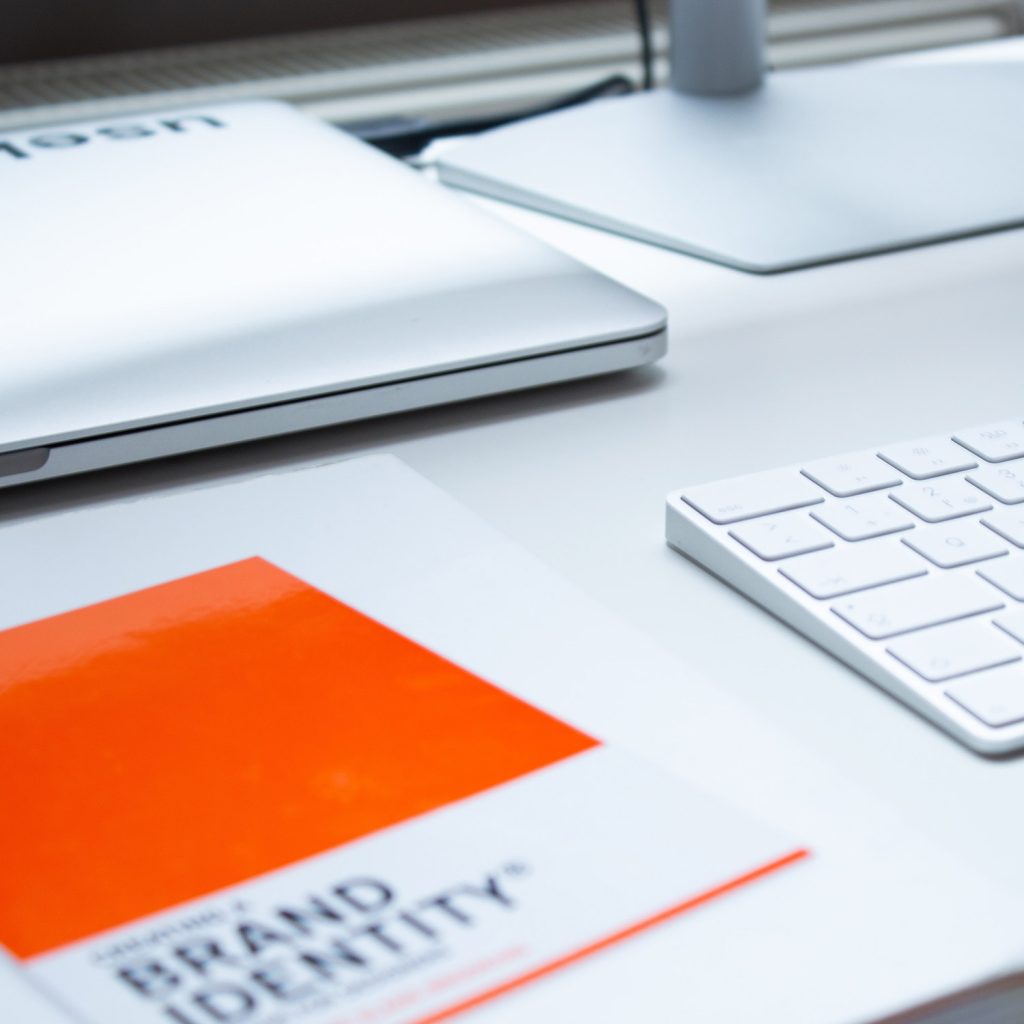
(762, 371)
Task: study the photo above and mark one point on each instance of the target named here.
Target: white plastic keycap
(939, 500)
(958, 543)
(955, 649)
(1003, 482)
(870, 515)
(995, 443)
(849, 569)
(1011, 621)
(759, 494)
(852, 474)
(1008, 523)
(1008, 575)
(927, 457)
(782, 536)
(915, 604)
(996, 696)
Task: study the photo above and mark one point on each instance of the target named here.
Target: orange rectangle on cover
(165, 744)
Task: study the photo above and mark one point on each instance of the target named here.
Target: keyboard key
(1012, 622)
(852, 474)
(782, 536)
(915, 604)
(927, 458)
(1008, 575)
(847, 570)
(995, 443)
(1005, 483)
(759, 494)
(872, 515)
(955, 649)
(942, 500)
(1008, 523)
(958, 543)
(996, 696)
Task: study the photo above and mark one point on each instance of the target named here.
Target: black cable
(405, 137)
(643, 18)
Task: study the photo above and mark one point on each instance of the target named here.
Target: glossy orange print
(169, 743)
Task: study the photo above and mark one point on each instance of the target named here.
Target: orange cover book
(239, 799)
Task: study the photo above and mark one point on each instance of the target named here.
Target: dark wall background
(38, 29)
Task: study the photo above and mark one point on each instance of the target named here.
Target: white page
(22, 1002)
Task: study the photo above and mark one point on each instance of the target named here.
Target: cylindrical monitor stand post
(717, 46)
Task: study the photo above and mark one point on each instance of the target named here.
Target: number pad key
(849, 569)
(996, 696)
(1005, 483)
(942, 500)
(956, 544)
(760, 494)
(955, 649)
(927, 458)
(996, 443)
(872, 515)
(775, 537)
(1012, 622)
(1008, 523)
(915, 604)
(852, 474)
(1008, 575)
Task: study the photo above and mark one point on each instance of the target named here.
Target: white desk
(762, 371)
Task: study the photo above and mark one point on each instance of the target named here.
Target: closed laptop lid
(173, 266)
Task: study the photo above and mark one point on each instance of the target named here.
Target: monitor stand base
(820, 164)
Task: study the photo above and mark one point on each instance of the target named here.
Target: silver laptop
(186, 280)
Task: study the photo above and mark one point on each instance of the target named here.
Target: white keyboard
(906, 561)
